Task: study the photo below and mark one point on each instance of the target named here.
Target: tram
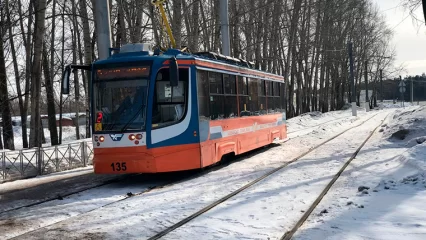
(178, 111)
(170, 110)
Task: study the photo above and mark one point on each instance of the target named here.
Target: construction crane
(160, 5)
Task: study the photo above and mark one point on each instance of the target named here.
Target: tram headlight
(101, 139)
(132, 137)
(139, 136)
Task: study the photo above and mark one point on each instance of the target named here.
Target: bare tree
(4, 99)
(177, 22)
(48, 79)
(87, 55)
(35, 134)
(303, 40)
(16, 71)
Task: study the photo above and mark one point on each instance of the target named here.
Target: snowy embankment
(391, 171)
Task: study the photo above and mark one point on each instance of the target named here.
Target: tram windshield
(120, 100)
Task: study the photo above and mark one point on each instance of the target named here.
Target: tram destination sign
(122, 72)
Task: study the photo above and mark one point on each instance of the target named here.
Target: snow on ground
(392, 104)
(267, 209)
(54, 211)
(393, 166)
(68, 135)
(143, 216)
(32, 182)
(310, 123)
(271, 207)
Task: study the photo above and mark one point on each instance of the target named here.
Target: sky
(409, 37)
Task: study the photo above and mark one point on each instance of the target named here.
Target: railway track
(64, 194)
(289, 234)
(174, 182)
(124, 177)
(176, 179)
(124, 197)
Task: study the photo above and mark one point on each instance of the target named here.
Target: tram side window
(230, 84)
(253, 86)
(282, 97)
(169, 102)
(216, 84)
(277, 98)
(231, 104)
(242, 86)
(222, 96)
(203, 94)
(216, 107)
(216, 96)
(243, 97)
(262, 97)
(270, 99)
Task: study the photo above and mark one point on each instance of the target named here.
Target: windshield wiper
(132, 119)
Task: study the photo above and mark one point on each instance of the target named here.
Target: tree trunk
(35, 136)
(289, 62)
(17, 79)
(4, 102)
(26, 39)
(49, 79)
(216, 26)
(87, 58)
(177, 22)
(155, 27)
(121, 27)
(207, 44)
(138, 25)
(265, 42)
(50, 98)
(63, 67)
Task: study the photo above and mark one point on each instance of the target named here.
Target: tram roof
(204, 60)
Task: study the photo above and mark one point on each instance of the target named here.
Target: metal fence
(38, 161)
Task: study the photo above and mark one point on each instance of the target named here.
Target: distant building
(66, 122)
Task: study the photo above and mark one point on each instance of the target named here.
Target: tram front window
(120, 104)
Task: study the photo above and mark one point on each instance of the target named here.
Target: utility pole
(367, 102)
(351, 67)
(381, 85)
(412, 93)
(103, 28)
(402, 91)
(224, 27)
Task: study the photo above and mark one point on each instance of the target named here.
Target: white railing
(38, 161)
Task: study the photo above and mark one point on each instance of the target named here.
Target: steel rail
(288, 235)
(232, 194)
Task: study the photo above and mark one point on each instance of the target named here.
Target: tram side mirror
(174, 72)
(65, 89)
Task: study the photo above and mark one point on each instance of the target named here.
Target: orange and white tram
(178, 111)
